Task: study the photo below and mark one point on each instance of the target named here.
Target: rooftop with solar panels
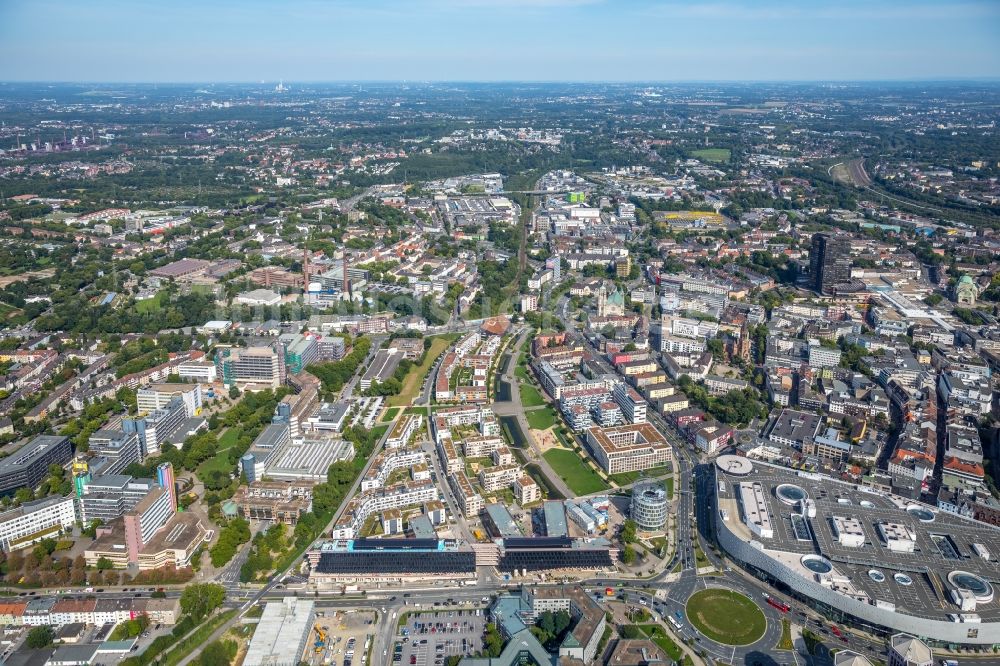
(875, 547)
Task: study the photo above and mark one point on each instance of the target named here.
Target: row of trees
(337, 373)
(738, 407)
(263, 549)
(198, 601)
(231, 537)
(44, 565)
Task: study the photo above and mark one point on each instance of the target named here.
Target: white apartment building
(387, 463)
(158, 396)
(823, 357)
(496, 478)
(480, 447)
(632, 404)
(405, 428)
(394, 497)
(469, 501)
(33, 521)
(202, 371)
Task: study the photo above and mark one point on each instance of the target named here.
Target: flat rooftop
(281, 625)
(628, 437)
(382, 366)
(943, 541)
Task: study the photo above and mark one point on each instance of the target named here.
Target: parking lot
(427, 639)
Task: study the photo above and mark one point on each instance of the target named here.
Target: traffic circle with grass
(726, 617)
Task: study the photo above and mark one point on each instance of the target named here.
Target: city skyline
(487, 40)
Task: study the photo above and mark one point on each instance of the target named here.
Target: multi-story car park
(911, 571)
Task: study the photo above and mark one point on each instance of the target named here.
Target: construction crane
(320, 639)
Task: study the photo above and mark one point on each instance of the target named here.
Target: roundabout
(726, 617)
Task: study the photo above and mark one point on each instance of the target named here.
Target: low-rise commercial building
(282, 633)
(274, 501)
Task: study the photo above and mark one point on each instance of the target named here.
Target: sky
(497, 40)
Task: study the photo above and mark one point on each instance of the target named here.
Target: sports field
(712, 154)
(151, 305)
(726, 617)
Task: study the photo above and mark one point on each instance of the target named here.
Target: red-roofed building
(495, 325)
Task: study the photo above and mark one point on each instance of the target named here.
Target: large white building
(864, 582)
(389, 461)
(258, 297)
(632, 404)
(158, 396)
(381, 499)
(405, 427)
(202, 371)
(628, 448)
(282, 633)
(33, 521)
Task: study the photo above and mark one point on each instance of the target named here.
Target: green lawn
(579, 476)
(521, 373)
(530, 397)
(229, 438)
(626, 478)
(220, 461)
(415, 377)
(541, 419)
(785, 643)
(390, 414)
(712, 154)
(726, 617)
(151, 305)
(657, 634)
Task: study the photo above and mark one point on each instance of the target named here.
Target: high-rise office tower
(829, 261)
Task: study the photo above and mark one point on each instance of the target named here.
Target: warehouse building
(282, 633)
(381, 369)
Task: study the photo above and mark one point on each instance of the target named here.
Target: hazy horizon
(415, 82)
(586, 41)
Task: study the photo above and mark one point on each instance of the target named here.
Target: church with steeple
(610, 305)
